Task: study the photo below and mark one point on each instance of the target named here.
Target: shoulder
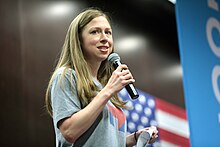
(65, 70)
(64, 74)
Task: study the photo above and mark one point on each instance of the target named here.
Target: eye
(108, 32)
(94, 32)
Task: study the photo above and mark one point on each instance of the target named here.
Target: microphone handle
(132, 91)
(130, 87)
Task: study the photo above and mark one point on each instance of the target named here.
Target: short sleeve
(64, 99)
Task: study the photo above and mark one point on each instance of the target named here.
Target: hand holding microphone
(114, 59)
(147, 136)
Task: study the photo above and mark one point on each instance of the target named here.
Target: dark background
(32, 34)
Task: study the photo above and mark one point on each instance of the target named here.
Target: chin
(104, 57)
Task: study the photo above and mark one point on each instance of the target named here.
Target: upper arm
(64, 99)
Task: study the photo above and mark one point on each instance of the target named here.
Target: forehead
(99, 21)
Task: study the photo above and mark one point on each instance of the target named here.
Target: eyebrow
(99, 28)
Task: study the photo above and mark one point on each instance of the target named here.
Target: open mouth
(103, 48)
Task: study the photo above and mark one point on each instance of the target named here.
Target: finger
(124, 66)
(121, 67)
(128, 78)
(153, 127)
(153, 139)
(126, 73)
(155, 131)
(154, 136)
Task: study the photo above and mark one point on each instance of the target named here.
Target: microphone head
(113, 57)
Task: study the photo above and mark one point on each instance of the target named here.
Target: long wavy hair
(72, 57)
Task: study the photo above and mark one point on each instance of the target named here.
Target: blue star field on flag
(141, 112)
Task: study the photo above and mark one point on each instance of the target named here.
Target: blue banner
(198, 24)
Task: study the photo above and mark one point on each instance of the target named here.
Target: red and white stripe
(172, 125)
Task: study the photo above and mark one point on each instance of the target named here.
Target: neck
(94, 69)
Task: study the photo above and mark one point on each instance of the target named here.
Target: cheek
(92, 41)
(87, 44)
(111, 42)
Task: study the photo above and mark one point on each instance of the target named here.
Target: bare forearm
(130, 140)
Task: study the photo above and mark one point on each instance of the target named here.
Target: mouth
(103, 48)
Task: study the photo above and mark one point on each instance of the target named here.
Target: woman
(82, 93)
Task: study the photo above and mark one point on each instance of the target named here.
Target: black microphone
(114, 59)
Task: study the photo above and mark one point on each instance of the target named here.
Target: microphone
(144, 138)
(114, 59)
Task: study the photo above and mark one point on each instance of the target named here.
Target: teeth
(103, 48)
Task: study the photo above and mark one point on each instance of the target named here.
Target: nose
(104, 37)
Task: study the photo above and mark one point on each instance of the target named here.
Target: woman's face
(97, 41)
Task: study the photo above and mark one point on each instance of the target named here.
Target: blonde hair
(72, 57)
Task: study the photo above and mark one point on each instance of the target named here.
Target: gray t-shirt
(109, 130)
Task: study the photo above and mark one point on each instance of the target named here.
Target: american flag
(148, 110)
